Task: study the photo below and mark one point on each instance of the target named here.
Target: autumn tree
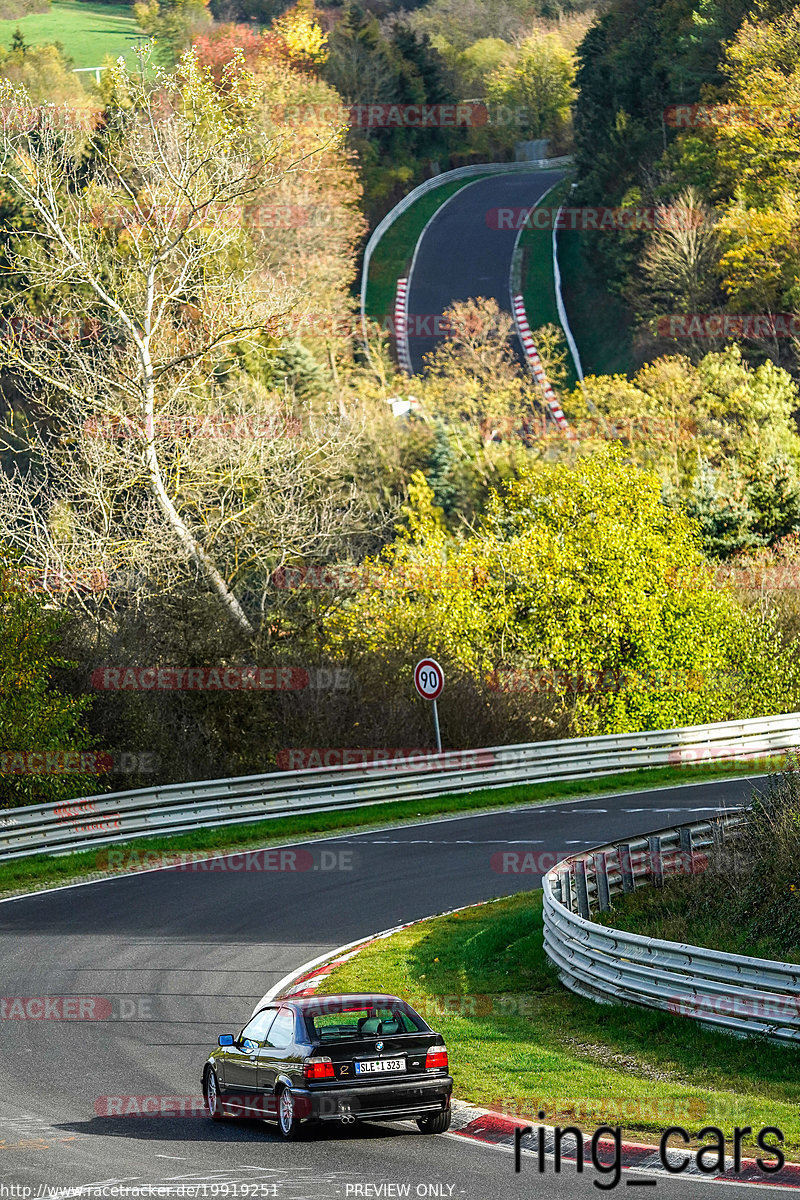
(455, 25)
(673, 411)
(478, 62)
(473, 376)
(536, 82)
(46, 73)
(307, 223)
(584, 571)
(216, 48)
(301, 32)
(173, 23)
(681, 260)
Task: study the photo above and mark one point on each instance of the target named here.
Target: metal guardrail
(730, 991)
(178, 808)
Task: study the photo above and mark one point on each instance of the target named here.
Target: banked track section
(462, 253)
(179, 956)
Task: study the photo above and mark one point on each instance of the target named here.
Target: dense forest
(220, 543)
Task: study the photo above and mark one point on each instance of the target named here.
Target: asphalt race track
(459, 256)
(184, 956)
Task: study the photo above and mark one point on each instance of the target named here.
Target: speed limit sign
(429, 679)
(429, 682)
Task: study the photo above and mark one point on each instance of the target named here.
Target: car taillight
(318, 1068)
(436, 1058)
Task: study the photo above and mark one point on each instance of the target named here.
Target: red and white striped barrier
(535, 364)
(401, 326)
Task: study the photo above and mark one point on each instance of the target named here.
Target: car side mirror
(226, 1039)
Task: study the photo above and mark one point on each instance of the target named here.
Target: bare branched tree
(140, 444)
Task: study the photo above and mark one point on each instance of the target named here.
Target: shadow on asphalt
(193, 1129)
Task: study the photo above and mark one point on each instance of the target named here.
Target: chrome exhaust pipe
(348, 1119)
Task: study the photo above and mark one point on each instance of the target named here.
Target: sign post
(429, 682)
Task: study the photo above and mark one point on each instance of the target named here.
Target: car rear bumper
(406, 1098)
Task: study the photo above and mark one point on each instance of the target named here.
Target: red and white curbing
(535, 364)
(401, 326)
(477, 1124)
(306, 985)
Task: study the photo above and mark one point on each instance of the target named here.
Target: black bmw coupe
(331, 1058)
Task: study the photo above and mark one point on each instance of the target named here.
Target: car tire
(437, 1123)
(212, 1096)
(288, 1123)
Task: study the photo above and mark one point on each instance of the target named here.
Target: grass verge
(88, 32)
(600, 323)
(521, 1042)
(746, 899)
(538, 280)
(669, 913)
(394, 251)
(44, 870)
(538, 283)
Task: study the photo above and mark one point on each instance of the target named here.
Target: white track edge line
(437, 820)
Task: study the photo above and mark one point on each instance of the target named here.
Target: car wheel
(212, 1096)
(438, 1123)
(288, 1123)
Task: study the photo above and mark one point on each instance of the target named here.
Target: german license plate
(377, 1066)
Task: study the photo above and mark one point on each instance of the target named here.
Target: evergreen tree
(774, 496)
(441, 462)
(721, 507)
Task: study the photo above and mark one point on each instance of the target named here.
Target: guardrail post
(566, 889)
(581, 889)
(656, 862)
(718, 831)
(687, 851)
(625, 868)
(601, 876)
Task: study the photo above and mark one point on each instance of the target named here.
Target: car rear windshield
(341, 1023)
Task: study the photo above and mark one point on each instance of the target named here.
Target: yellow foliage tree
(306, 42)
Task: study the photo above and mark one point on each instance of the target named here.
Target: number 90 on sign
(429, 679)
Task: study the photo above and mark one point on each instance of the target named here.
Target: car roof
(363, 998)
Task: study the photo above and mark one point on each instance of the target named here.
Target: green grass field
(519, 1041)
(89, 33)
